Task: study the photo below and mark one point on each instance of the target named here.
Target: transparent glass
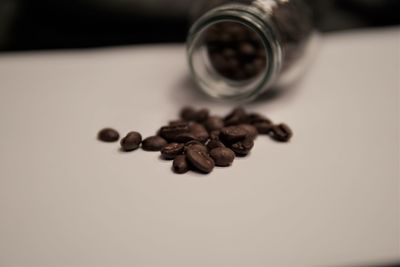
(238, 49)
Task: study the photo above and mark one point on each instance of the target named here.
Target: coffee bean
(200, 160)
(214, 144)
(281, 132)
(199, 132)
(247, 49)
(177, 123)
(250, 129)
(214, 123)
(180, 164)
(188, 113)
(153, 143)
(170, 151)
(214, 135)
(243, 147)
(131, 141)
(196, 145)
(222, 156)
(170, 132)
(201, 115)
(237, 116)
(232, 134)
(183, 138)
(263, 127)
(253, 118)
(108, 135)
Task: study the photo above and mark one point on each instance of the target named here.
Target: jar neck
(257, 21)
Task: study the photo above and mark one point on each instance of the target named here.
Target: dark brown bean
(214, 135)
(108, 135)
(263, 127)
(196, 145)
(201, 115)
(222, 156)
(170, 151)
(214, 144)
(253, 118)
(200, 160)
(188, 113)
(199, 132)
(236, 116)
(180, 164)
(214, 123)
(177, 122)
(153, 143)
(281, 132)
(184, 138)
(131, 141)
(247, 49)
(170, 132)
(250, 129)
(232, 134)
(243, 147)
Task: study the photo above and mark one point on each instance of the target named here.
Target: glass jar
(238, 49)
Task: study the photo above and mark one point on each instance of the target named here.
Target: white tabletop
(329, 197)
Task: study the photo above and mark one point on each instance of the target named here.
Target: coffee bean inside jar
(235, 51)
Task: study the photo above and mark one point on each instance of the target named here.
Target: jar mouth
(253, 64)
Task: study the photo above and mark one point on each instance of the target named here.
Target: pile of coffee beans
(200, 141)
(235, 51)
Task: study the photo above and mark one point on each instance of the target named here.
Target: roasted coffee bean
(180, 164)
(263, 127)
(199, 132)
(188, 114)
(253, 118)
(200, 160)
(214, 123)
(170, 151)
(232, 134)
(170, 132)
(237, 116)
(214, 135)
(214, 144)
(222, 156)
(201, 115)
(247, 49)
(243, 147)
(196, 145)
(153, 143)
(183, 138)
(281, 132)
(177, 122)
(108, 135)
(131, 141)
(250, 129)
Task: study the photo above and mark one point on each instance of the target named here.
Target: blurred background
(49, 24)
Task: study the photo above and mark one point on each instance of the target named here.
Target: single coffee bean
(153, 143)
(237, 116)
(250, 129)
(131, 141)
(188, 114)
(199, 132)
(253, 118)
(214, 135)
(214, 144)
(170, 151)
(214, 123)
(200, 160)
(108, 135)
(201, 115)
(170, 132)
(243, 147)
(232, 134)
(263, 127)
(183, 138)
(222, 156)
(281, 132)
(177, 122)
(180, 164)
(196, 145)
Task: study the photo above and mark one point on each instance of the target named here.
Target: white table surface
(330, 197)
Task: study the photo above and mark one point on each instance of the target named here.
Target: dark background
(52, 24)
